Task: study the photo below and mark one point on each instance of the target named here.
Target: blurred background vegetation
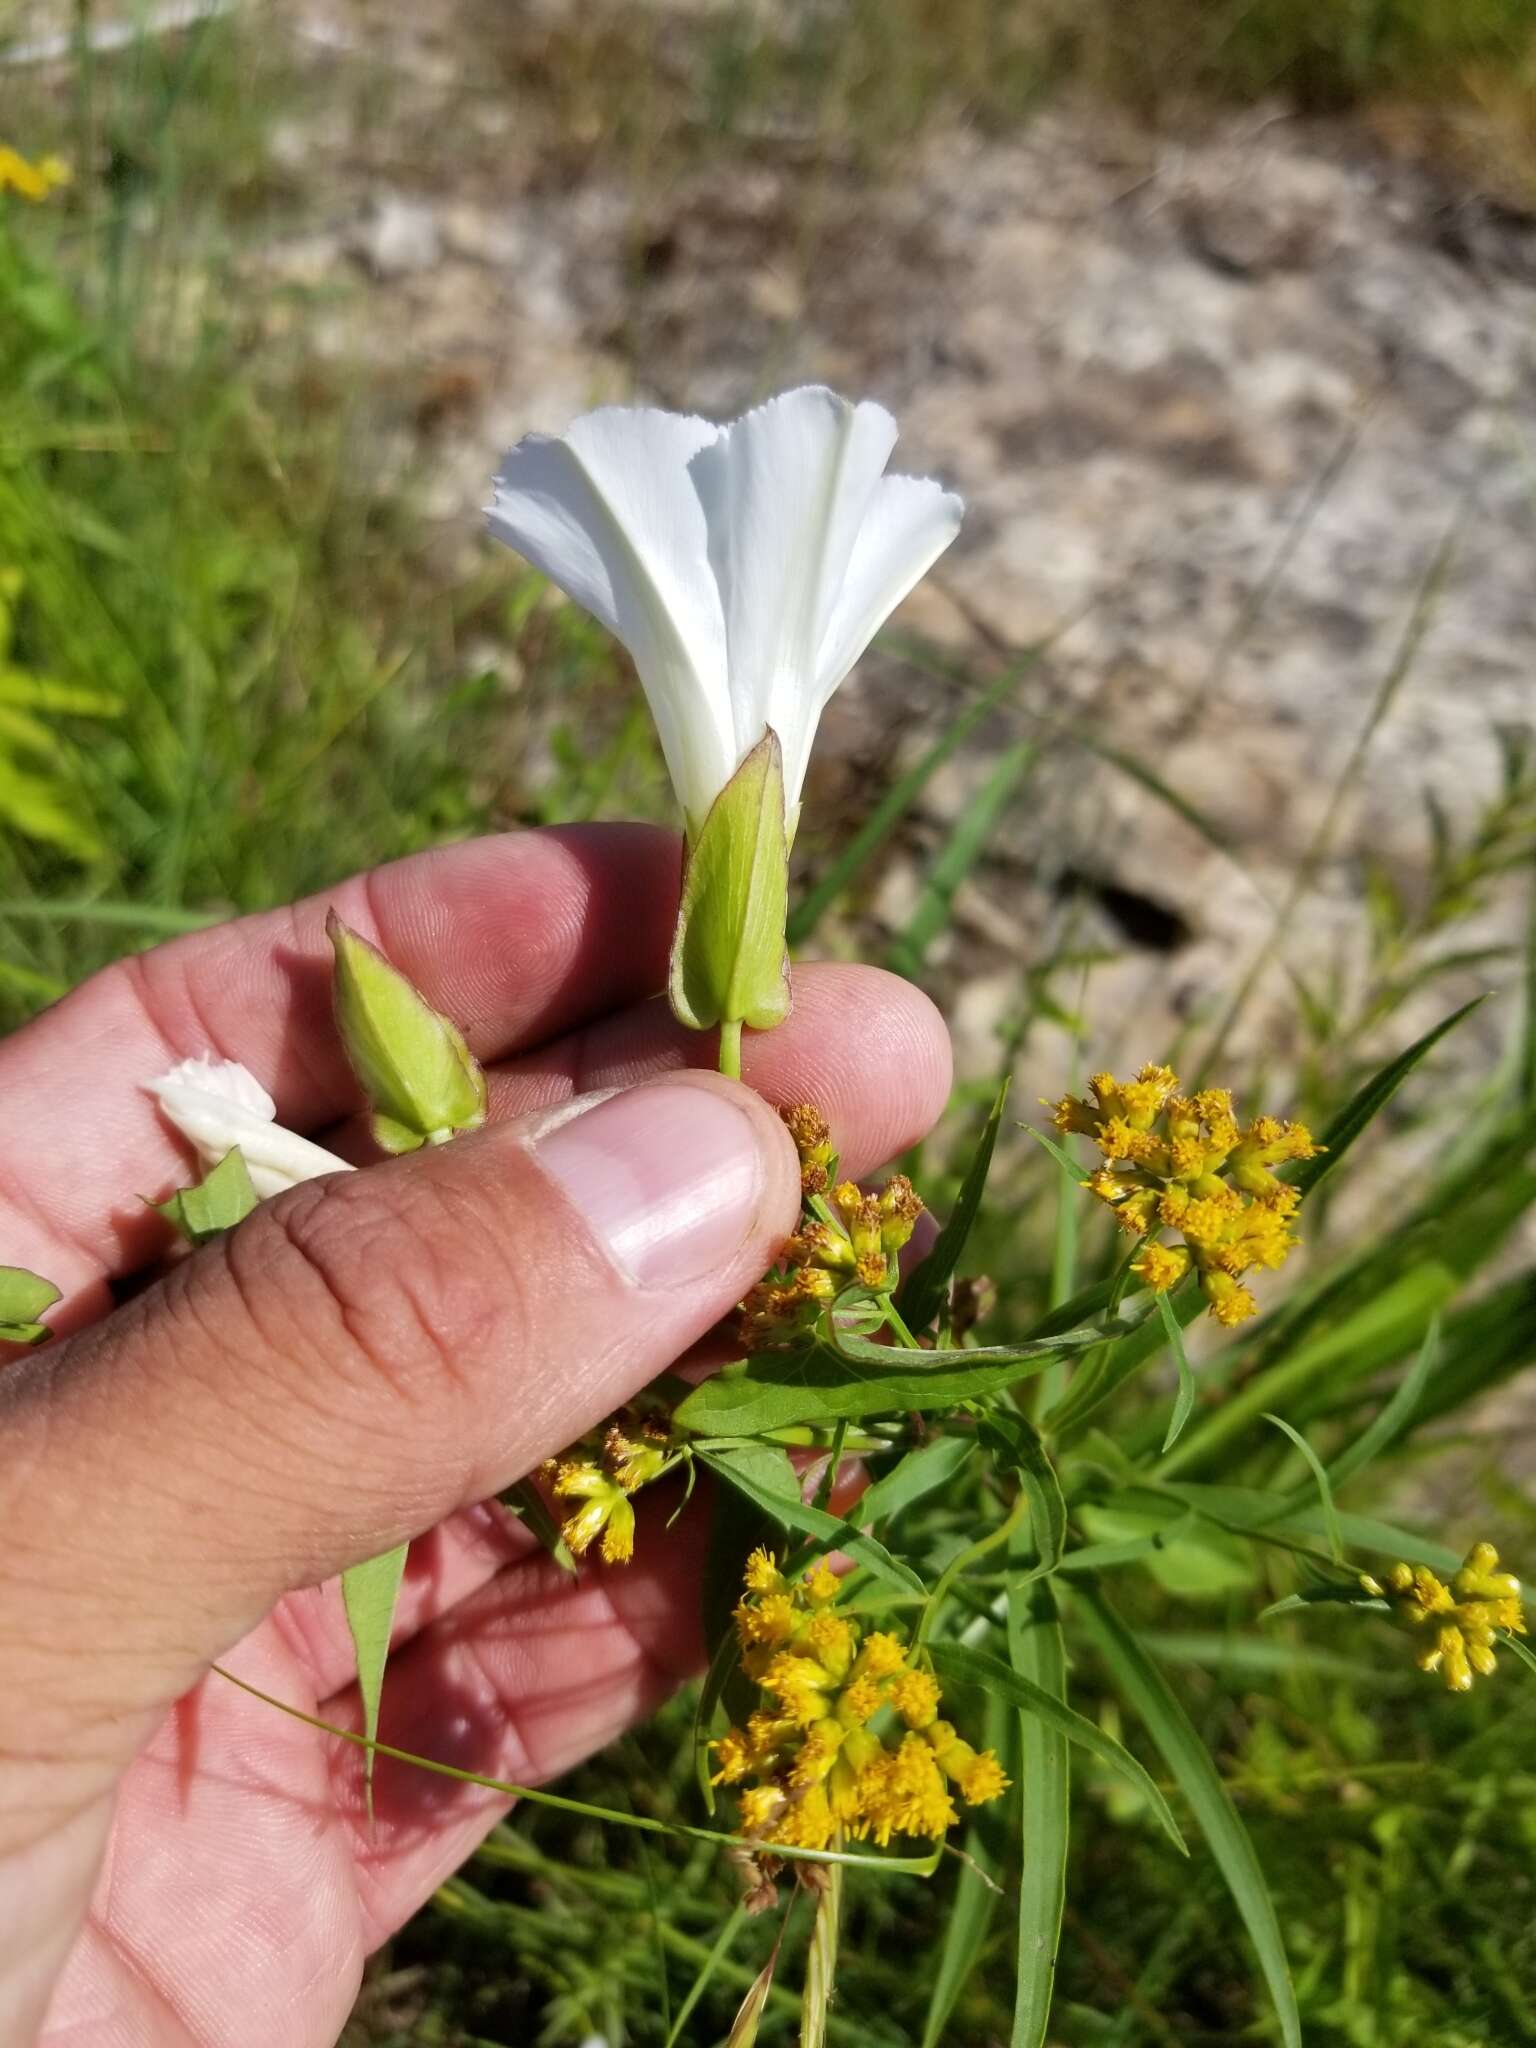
(316, 264)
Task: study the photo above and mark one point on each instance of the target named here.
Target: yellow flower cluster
(845, 1236)
(1182, 1163)
(603, 1480)
(1465, 1616)
(820, 1772)
(31, 181)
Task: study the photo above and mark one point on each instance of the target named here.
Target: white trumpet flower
(746, 568)
(218, 1104)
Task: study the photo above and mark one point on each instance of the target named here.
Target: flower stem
(730, 1049)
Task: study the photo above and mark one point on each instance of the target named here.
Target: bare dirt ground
(1224, 407)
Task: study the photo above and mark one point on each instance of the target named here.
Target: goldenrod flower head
(762, 1573)
(1466, 1617)
(635, 1461)
(1181, 1163)
(1160, 1267)
(820, 1583)
(915, 1696)
(813, 1141)
(608, 1513)
(32, 181)
(821, 1771)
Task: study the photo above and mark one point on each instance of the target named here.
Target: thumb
(361, 1357)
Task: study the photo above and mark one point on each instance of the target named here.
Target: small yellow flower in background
(32, 181)
(1183, 1163)
(844, 1236)
(1464, 1618)
(603, 1478)
(820, 1770)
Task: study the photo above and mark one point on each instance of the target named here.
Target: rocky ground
(1224, 407)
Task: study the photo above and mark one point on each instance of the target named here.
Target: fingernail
(668, 1177)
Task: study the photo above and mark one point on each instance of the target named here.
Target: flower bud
(422, 1079)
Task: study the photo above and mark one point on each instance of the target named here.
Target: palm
(243, 1885)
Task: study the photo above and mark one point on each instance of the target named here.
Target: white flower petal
(911, 521)
(610, 513)
(784, 490)
(218, 1104)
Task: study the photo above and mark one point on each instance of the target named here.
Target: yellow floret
(915, 1696)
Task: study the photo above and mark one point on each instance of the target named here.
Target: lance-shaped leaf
(24, 1297)
(422, 1079)
(728, 960)
(1148, 1692)
(219, 1201)
(924, 1292)
(369, 1592)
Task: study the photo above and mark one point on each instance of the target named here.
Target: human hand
(366, 1358)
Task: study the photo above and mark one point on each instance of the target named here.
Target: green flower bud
(728, 960)
(422, 1079)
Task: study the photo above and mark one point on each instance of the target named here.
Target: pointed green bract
(223, 1198)
(23, 1298)
(369, 1592)
(422, 1080)
(728, 960)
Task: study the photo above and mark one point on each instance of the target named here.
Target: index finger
(517, 938)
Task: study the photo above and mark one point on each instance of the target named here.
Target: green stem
(957, 1565)
(898, 1328)
(730, 1049)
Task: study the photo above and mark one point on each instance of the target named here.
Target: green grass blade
(1394, 1416)
(923, 1295)
(897, 801)
(1038, 1656)
(1369, 1101)
(994, 1678)
(959, 854)
(707, 1968)
(369, 1592)
(1324, 1490)
(1146, 1689)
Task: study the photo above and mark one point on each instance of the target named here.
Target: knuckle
(368, 1275)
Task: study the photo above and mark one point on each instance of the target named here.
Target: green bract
(728, 960)
(422, 1079)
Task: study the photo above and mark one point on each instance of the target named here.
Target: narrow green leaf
(728, 959)
(1148, 1692)
(369, 1592)
(923, 1295)
(1369, 1101)
(24, 1297)
(773, 1389)
(1118, 1361)
(897, 801)
(223, 1198)
(768, 1480)
(1183, 1406)
(977, 1891)
(1013, 1440)
(1038, 1656)
(920, 1472)
(990, 1675)
(1325, 1491)
(965, 845)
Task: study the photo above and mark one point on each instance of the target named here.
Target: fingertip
(869, 1049)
